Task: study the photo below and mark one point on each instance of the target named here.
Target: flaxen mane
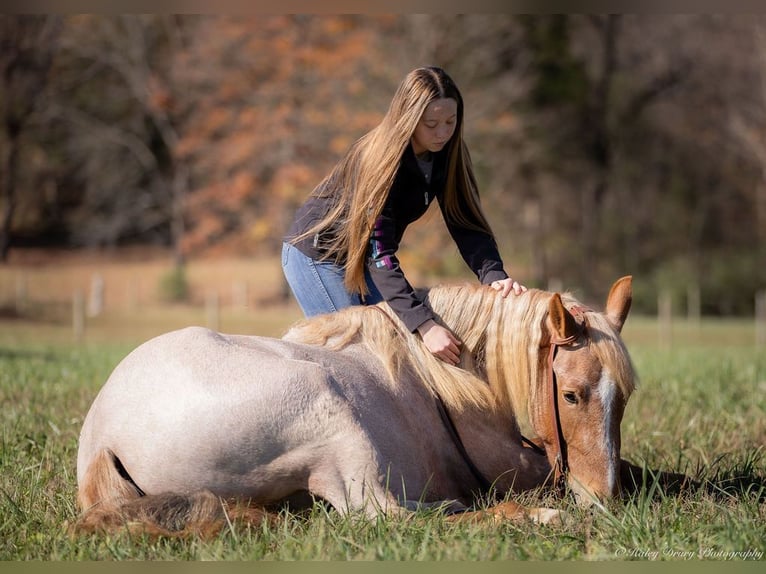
(502, 362)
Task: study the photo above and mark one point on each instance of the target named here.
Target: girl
(341, 248)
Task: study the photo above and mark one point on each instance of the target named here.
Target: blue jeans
(318, 285)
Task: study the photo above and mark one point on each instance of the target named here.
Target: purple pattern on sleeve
(377, 247)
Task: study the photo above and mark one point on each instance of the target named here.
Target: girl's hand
(505, 286)
(440, 341)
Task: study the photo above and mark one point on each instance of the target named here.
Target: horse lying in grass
(194, 427)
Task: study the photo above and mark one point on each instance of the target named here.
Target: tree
(587, 99)
(602, 144)
(748, 128)
(27, 45)
(123, 106)
(279, 99)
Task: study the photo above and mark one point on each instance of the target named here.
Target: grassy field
(699, 410)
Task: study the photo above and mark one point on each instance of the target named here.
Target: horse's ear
(560, 321)
(618, 302)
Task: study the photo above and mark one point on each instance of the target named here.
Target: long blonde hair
(361, 181)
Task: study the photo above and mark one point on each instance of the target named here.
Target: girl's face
(436, 126)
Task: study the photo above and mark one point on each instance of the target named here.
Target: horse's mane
(501, 362)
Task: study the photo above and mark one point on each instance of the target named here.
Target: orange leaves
(281, 98)
(160, 97)
(293, 182)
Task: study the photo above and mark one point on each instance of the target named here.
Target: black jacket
(409, 198)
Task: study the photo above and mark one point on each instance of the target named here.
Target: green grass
(699, 410)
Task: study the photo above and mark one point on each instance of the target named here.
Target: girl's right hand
(440, 341)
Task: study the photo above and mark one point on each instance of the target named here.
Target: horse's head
(589, 380)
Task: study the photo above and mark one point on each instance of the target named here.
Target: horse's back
(209, 409)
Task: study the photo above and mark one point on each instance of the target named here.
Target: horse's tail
(112, 501)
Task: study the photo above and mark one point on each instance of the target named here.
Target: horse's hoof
(547, 515)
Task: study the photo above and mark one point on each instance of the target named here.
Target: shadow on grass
(720, 479)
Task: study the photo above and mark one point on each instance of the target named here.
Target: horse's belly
(246, 423)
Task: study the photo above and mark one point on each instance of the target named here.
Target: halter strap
(561, 464)
(560, 459)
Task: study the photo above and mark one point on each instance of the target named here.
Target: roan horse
(196, 427)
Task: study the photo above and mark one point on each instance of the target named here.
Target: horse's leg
(112, 502)
(201, 514)
(351, 481)
(510, 511)
(348, 494)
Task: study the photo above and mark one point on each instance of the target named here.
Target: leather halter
(560, 459)
(561, 465)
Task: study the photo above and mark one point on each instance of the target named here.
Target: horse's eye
(570, 397)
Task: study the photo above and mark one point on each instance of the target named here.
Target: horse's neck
(499, 333)
(493, 442)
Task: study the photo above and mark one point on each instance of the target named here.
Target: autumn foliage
(604, 145)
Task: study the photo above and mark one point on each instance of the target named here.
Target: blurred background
(160, 158)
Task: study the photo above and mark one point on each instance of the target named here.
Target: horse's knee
(351, 489)
(547, 515)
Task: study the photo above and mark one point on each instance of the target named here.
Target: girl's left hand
(505, 286)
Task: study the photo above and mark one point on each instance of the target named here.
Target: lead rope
(484, 484)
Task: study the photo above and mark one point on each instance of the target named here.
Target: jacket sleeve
(478, 250)
(388, 275)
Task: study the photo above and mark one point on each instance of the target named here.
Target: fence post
(96, 298)
(212, 311)
(21, 293)
(665, 319)
(239, 295)
(78, 315)
(693, 305)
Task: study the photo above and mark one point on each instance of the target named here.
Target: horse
(194, 428)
